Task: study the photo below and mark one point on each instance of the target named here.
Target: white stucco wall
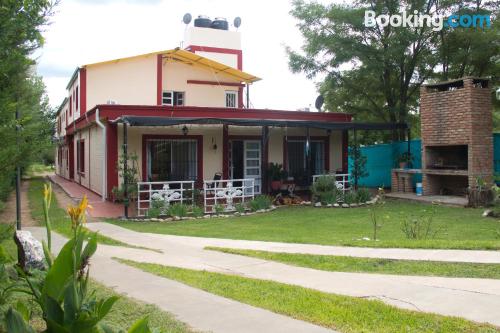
(128, 81)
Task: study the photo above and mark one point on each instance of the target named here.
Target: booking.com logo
(437, 22)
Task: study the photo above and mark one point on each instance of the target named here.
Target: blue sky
(86, 31)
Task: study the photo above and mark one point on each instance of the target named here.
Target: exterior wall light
(185, 130)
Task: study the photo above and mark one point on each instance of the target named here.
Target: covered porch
(179, 156)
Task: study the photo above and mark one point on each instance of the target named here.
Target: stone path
(474, 299)
(8, 216)
(199, 309)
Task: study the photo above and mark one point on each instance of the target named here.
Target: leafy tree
(21, 26)
(375, 73)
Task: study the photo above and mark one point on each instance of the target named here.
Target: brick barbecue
(456, 126)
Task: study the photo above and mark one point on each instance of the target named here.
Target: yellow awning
(190, 58)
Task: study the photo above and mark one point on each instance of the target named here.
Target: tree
(21, 25)
(375, 73)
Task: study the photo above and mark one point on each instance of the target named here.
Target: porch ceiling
(163, 121)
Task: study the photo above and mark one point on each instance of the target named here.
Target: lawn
(374, 265)
(343, 313)
(457, 228)
(58, 216)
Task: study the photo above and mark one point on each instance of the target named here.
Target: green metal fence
(382, 158)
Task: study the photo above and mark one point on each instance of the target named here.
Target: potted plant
(404, 159)
(276, 175)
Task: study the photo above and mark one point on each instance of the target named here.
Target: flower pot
(275, 185)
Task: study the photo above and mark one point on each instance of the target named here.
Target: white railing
(227, 193)
(342, 180)
(168, 192)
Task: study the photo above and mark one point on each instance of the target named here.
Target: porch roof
(164, 121)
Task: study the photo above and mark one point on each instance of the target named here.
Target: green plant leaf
(106, 306)
(14, 322)
(60, 272)
(48, 255)
(140, 326)
(91, 246)
(70, 304)
(53, 310)
(23, 310)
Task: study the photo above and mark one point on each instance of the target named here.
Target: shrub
(240, 208)
(157, 208)
(198, 211)
(218, 209)
(363, 195)
(178, 209)
(350, 197)
(419, 227)
(325, 190)
(260, 202)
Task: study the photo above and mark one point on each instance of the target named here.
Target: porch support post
(225, 152)
(308, 156)
(356, 159)
(408, 148)
(263, 158)
(248, 96)
(125, 170)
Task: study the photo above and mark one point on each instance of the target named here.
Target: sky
(87, 31)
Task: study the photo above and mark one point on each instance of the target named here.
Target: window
(76, 100)
(70, 105)
(170, 160)
(297, 161)
(80, 156)
(231, 99)
(170, 97)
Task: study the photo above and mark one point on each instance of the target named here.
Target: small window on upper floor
(76, 99)
(231, 99)
(170, 97)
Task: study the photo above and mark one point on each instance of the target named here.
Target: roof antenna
(237, 22)
(186, 19)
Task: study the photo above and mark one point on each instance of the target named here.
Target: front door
(252, 162)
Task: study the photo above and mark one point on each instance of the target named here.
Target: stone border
(341, 205)
(204, 217)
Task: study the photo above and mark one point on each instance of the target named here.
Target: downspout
(104, 155)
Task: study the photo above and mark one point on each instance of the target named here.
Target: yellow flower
(77, 213)
(47, 194)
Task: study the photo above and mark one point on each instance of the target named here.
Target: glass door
(252, 163)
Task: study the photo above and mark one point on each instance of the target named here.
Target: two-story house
(186, 117)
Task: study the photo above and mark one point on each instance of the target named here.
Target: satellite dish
(187, 18)
(237, 22)
(319, 102)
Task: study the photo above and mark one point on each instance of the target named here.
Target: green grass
(58, 217)
(374, 265)
(343, 313)
(37, 169)
(460, 228)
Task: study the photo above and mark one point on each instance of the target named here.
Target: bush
(218, 209)
(350, 197)
(363, 195)
(157, 208)
(260, 202)
(198, 211)
(325, 190)
(178, 209)
(419, 227)
(240, 208)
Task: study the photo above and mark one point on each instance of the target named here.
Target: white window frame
(172, 97)
(235, 96)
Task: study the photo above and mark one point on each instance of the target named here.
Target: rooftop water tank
(202, 22)
(220, 24)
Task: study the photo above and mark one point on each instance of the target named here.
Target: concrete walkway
(199, 309)
(474, 299)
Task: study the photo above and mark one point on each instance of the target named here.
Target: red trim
(159, 73)
(83, 90)
(71, 153)
(199, 148)
(112, 152)
(216, 83)
(112, 112)
(225, 152)
(89, 159)
(345, 151)
(239, 53)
